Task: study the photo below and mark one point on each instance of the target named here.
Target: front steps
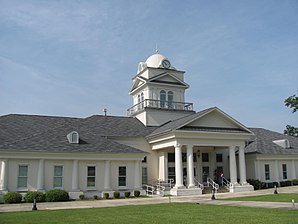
(208, 190)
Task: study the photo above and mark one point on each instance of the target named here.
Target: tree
(292, 102)
(291, 130)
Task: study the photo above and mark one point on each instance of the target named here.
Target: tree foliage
(291, 130)
(292, 102)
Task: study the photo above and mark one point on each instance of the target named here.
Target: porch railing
(166, 182)
(197, 183)
(212, 183)
(227, 184)
(159, 104)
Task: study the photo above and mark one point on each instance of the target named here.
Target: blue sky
(75, 58)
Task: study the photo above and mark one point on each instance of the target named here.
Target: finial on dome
(156, 49)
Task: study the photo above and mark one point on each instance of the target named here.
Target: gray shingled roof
(263, 143)
(46, 133)
(181, 124)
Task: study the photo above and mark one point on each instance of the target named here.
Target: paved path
(202, 199)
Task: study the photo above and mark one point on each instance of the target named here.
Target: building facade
(162, 140)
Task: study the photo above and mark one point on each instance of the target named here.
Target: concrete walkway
(201, 199)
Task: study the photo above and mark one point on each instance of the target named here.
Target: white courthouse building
(162, 141)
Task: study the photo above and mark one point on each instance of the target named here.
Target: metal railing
(150, 190)
(166, 182)
(212, 183)
(160, 104)
(227, 184)
(197, 183)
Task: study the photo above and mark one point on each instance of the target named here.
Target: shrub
(106, 195)
(127, 194)
(282, 183)
(12, 197)
(82, 197)
(295, 182)
(275, 184)
(255, 183)
(95, 197)
(288, 183)
(56, 195)
(116, 194)
(136, 193)
(30, 195)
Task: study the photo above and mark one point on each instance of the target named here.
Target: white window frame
(144, 175)
(62, 177)
(24, 188)
(95, 171)
(122, 176)
(267, 172)
(284, 171)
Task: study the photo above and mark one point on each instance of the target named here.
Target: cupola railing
(159, 104)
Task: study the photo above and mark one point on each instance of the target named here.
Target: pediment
(215, 120)
(167, 78)
(138, 82)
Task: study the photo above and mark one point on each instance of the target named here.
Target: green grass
(159, 213)
(270, 198)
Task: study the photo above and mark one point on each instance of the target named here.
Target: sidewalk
(201, 199)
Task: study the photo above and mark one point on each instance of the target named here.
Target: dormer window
(73, 137)
(284, 143)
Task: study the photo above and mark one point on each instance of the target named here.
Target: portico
(189, 152)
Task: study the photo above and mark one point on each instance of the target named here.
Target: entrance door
(205, 173)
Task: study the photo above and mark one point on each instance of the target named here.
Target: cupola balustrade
(159, 104)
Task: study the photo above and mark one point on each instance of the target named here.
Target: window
(205, 157)
(171, 173)
(91, 176)
(73, 137)
(284, 171)
(162, 96)
(122, 176)
(219, 158)
(144, 175)
(58, 177)
(170, 99)
(144, 160)
(171, 157)
(267, 172)
(23, 176)
(142, 100)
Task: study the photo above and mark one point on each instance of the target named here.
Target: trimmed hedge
(116, 194)
(295, 182)
(56, 195)
(136, 193)
(82, 197)
(106, 195)
(127, 194)
(30, 195)
(12, 197)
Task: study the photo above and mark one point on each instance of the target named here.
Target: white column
(233, 166)
(75, 175)
(107, 181)
(178, 166)
(190, 167)
(137, 175)
(3, 175)
(293, 170)
(276, 172)
(162, 166)
(242, 167)
(40, 175)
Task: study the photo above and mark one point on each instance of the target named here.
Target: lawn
(159, 213)
(270, 197)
